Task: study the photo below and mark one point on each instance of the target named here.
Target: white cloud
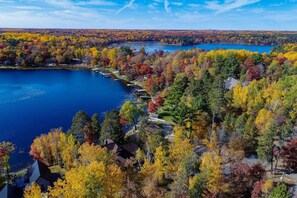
(96, 2)
(228, 5)
(130, 4)
(26, 7)
(166, 6)
(177, 3)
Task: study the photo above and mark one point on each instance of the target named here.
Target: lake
(33, 102)
(151, 46)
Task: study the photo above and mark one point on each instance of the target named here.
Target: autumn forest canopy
(232, 113)
(25, 47)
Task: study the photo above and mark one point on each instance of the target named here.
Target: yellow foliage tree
(93, 180)
(240, 96)
(33, 191)
(160, 163)
(255, 99)
(267, 186)
(46, 148)
(154, 171)
(211, 165)
(200, 127)
(90, 153)
(264, 120)
(69, 148)
(180, 149)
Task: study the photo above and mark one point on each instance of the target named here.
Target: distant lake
(35, 101)
(151, 46)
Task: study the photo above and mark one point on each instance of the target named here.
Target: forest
(29, 47)
(233, 114)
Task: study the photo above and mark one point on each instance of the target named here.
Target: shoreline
(76, 67)
(65, 67)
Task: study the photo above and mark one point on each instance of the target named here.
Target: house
(10, 191)
(230, 83)
(122, 153)
(40, 174)
(200, 150)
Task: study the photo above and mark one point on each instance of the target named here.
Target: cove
(32, 102)
(151, 46)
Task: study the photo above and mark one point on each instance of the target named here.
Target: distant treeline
(32, 47)
(201, 36)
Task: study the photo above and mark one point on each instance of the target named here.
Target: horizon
(106, 29)
(234, 15)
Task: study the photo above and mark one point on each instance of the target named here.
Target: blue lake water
(33, 102)
(151, 46)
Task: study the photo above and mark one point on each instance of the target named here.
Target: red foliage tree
(145, 69)
(249, 62)
(243, 178)
(159, 101)
(253, 73)
(34, 152)
(152, 107)
(257, 189)
(89, 134)
(123, 121)
(257, 172)
(2, 153)
(290, 154)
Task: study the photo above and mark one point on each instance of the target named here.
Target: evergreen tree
(79, 121)
(112, 127)
(176, 91)
(265, 148)
(96, 124)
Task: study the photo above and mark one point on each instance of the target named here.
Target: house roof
(131, 148)
(10, 191)
(37, 170)
(230, 83)
(113, 147)
(200, 150)
(122, 152)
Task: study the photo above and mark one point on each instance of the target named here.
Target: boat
(145, 97)
(106, 75)
(140, 90)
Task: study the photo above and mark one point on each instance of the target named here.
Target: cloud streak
(166, 6)
(228, 5)
(126, 6)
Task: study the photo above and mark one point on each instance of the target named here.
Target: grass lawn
(168, 119)
(57, 169)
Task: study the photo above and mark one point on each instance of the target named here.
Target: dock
(106, 75)
(145, 97)
(140, 90)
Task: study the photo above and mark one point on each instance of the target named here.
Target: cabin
(230, 83)
(10, 191)
(40, 174)
(200, 150)
(123, 152)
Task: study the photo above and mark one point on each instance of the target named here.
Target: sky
(150, 14)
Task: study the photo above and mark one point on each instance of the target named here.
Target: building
(10, 191)
(230, 83)
(40, 174)
(122, 153)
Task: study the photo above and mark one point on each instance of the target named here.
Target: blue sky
(150, 14)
